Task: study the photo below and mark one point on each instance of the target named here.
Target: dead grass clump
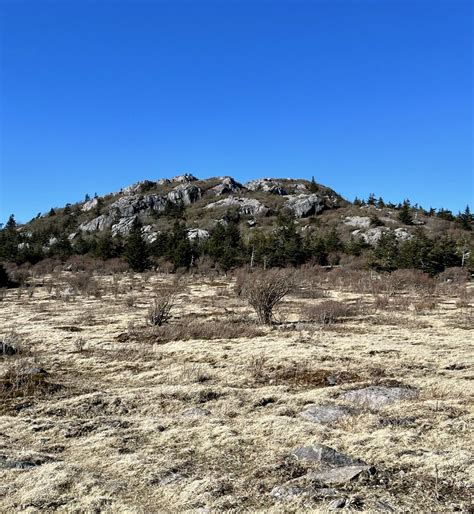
(425, 305)
(23, 377)
(12, 343)
(455, 276)
(195, 329)
(328, 312)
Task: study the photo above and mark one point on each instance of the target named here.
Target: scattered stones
(326, 413)
(324, 455)
(375, 397)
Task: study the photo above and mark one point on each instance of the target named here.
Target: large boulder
(266, 185)
(184, 194)
(197, 234)
(90, 204)
(357, 221)
(245, 206)
(303, 206)
(375, 397)
(325, 456)
(184, 178)
(226, 186)
(102, 222)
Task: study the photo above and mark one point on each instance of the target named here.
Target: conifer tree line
(227, 248)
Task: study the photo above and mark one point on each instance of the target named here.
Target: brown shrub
(263, 290)
(328, 312)
(160, 311)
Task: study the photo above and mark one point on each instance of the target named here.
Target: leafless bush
(160, 311)
(263, 290)
(455, 276)
(79, 344)
(130, 301)
(426, 304)
(381, 302)
(328, 312)
(257, 366)
(3, 294)
(12, 343)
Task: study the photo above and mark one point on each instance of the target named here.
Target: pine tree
(313, 187)
(4, 280)
(466, 219)
(180, 251)
(225, 245)
(405, 215)
(136, 248)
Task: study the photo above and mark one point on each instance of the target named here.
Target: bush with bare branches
(160, 311)
(328, 312)
(263, 290)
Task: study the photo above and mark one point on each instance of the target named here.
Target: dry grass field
(102, 412)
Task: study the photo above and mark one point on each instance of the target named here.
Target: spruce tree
(4, 280)
(313, 187)
(136, 248)
(405, 215)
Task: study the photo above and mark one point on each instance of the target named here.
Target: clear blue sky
(367, 95)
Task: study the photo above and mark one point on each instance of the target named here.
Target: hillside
(319, 225)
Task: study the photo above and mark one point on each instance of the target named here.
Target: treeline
(226, 248)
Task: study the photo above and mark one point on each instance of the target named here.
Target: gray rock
(246, 206)
(325, 413)
(185, 194)
(227, 185)
(340, 475)
(288, 492)
(102, 222)
(185, 177)
(197, 234)
(90, 204)
(305, 205)
(357, 221)
(324, 455)
(375, 397)
(123, 226)
(338, 503)
(23, 463)
(266, 185)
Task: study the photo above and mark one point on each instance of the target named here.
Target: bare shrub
(12, 343)
(328, 312)
(455, 276)
(426, 304)
(79, 344)
(130, 301)
(264, 290)
(160, 311)
(3, 294)
(381, 302)
(257, 367)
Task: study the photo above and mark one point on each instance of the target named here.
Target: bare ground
(125, 423)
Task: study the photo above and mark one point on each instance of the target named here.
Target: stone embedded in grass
(375, 397)
(195, 412)
(340, 475)
(325, 456)
(23, 463)
(326, 413)
(288, 492)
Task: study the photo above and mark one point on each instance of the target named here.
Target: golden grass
(116, 433)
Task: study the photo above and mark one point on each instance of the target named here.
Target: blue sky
(366, 95)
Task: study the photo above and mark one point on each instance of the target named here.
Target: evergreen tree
(288, 244)
(9, 240)
(313, 187)
(180, 251)
(225, 245)
(385, 254)
(4, 279)
(371, 199)
(136, 248)
(405, 214)
(466, 219)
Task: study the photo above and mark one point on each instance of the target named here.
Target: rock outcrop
(266, 185)
(245, 206)
(227, 186)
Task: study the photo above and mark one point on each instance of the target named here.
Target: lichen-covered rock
(357, 221)
(375, 397)
(324, 455)
(303, 206)
(196, 234)
(184, 194)
(267, 186)
(326, 413)
(185, 177)
(102, 222)
(373, 235)
(90, 204)
(123, 226)
(246, 206)
(226, 186)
